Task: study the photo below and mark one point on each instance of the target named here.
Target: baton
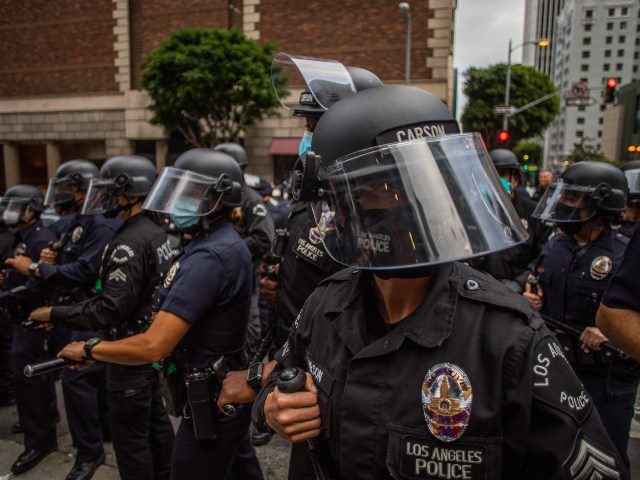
(46, 367)
(292, 380)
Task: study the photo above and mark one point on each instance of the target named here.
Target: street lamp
(541, 42)
(406, 8)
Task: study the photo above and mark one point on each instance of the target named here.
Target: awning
(284, 146)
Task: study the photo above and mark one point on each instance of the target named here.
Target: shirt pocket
(586, 298)
(416, 454)
(71, 251)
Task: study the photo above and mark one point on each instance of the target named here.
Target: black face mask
(114, 212)
(571, 228)
(407, 272)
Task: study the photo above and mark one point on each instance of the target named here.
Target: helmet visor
(567, 203)
(183, 193)
(102, 196)
(423, 202)
(59, 191)
(327, 80)
(633, 178)
(12, 209)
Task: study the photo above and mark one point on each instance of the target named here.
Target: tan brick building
(70, 69)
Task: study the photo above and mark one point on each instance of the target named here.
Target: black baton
(46, 367)
(292, 380)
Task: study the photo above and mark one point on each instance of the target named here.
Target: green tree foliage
(484, 88)
(585, 150)
(533, 149)
(209, 84)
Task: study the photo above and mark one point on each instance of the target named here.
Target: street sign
(503, 109)
(580, 90)
(579, 102)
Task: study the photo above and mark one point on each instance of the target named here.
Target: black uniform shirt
(470, 385)
(624, 287)
(133, 263)
(210, 287)
(574, 278)
(256, 226)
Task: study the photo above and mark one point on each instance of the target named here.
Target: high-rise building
(69, 83)
(594, 40)
(540, 22)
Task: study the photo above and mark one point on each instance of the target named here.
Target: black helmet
(632, 165)
(503, 158)
(236, 150)
(395, 188)
(214, 164)
(129, 175)
(584, 190)
(70, 176)
(363, 78)
(16, 200)
(134, 173)
(264, 187)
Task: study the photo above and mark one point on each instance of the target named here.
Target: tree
(484, 88)
(585, 150)
(209, 84)
(532, 149)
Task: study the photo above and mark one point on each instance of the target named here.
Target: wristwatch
(88, 346)
(32, 268)
(254, 376)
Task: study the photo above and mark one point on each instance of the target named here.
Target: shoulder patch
(76, 235)
(121, 254)
(171, 274)
(259, 210)
(118, 276)
(555, 383)
(587, 460)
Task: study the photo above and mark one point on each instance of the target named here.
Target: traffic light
(503, 136)
(610, 90)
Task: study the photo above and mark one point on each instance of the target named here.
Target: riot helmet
(71, 177)
(235, 150)
(508, 167)
(584, 191)
(395, 188)
(123, 175)
(18, 201)
(632, 172)
(198, 182)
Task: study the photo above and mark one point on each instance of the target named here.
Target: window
(579, 133)
(612, 12)
(618, 67)
(581, 109)
(608, 40)
(607, 53)
(637, 41)
(588, 13)
(621, 53)
(599, 133)
(580, 120)
(584, 67)
(586, 41)
(625, 11)
(584, 79)
(598, 147)
(635, 55)
(602, 107)
(623, 25)
(635, 69)
(622, 39)
(609, 25)
(606, 67)
(587, 27)
(586, 54)
(600, 121)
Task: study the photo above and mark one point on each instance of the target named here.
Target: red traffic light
(612, 83)
(610, 90)
(503, 136)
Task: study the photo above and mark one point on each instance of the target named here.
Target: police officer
(511, 266)
(203, 312)
(278, 209)
(573, 270)
(6, 378)
(420, 366)
(255, 225)
(631, 216)
(132, 265)
(35, 398)
(69, 269)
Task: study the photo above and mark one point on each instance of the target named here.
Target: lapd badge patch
(600, 267)
(525, 223)
(259, 210)
(447, 397)
(171, 274)
(77, 234)
(21, 249)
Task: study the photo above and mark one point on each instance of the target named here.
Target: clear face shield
(59, 192)
(102, 196)
(633, 179)
(417, 203)
(12, 209)
(564, 203)
(327, 80)
(185, 196)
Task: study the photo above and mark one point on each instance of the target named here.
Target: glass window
(584, 79)
(582, 109)
(584, 67)
(586, 41)
(620, 52)
(625, 11)
(600, 121)
(586, 54)
(618, 67)
(588, 13)
(622, 39)
(608, 40)
(609, 25)
(612, 12)
(599, 133)
(580, 120)
(635, 55)
(635, 69)
(587, 27)
(606, 67)
(607, 53)
(598, 147)
(579, 133)
(623, 25)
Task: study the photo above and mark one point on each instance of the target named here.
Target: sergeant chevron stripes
(593, 464)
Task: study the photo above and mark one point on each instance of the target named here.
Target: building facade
(621, 126)
(540, 22)
(68, 87)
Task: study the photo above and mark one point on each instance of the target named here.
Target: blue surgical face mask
(305, 143)
(506, 185)
(185, 214)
